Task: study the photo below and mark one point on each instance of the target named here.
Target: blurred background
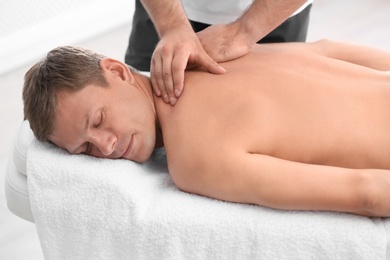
(28, 29)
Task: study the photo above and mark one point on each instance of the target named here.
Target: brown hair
(63, 69)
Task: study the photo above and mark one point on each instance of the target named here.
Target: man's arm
(178, 46)
(277, 183)
(362, 55)
(225, 42)
(358, 54)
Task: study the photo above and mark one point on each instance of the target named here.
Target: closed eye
(100, 120)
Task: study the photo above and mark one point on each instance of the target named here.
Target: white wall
(28, 29)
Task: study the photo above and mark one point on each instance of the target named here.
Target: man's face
(111, 122)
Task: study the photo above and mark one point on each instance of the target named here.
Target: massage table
(89, 208)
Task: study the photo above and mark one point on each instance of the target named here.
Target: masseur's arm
(281, 184)
(229, 41)
(178, 46)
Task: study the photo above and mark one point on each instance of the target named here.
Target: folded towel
(89, 208)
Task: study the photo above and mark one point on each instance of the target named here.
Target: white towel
(89, 208)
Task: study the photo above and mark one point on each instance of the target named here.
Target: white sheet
(89, 208)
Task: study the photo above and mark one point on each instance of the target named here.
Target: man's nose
(105, 141)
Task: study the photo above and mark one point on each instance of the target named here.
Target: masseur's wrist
(176, 24)
(263, 16)
(245, 32)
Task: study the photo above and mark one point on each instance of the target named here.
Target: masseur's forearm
(166, 15)
(265, 15)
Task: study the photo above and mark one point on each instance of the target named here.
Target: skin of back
(282, 123)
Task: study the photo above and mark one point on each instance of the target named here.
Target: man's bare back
(278, 102)
(287, 103)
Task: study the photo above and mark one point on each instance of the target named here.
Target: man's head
(64, 69)
(87, 103)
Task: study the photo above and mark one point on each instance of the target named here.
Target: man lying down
(300, 126)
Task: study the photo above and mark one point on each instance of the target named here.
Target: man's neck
(159, 136)
(144, 83)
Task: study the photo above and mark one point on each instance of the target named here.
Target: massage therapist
(163, 38)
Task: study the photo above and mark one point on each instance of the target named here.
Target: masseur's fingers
(166, 86)
(183, 60)
(166, 61)
(162, 78)
(179, 64)
(204, 60)
(160, 71)
(156, 78)
(170, 58)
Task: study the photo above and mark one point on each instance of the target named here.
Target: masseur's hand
(176, 50)
(224, 42)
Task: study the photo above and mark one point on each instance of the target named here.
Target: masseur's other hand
(176, 50)
(224, 42)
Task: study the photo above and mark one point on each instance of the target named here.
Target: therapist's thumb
(210, 64)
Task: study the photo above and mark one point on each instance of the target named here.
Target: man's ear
(117, 68)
